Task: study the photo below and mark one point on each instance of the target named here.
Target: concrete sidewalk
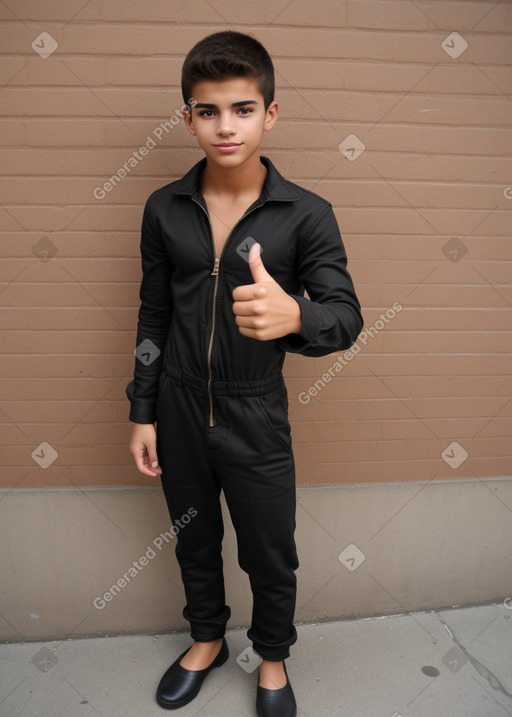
(445, 663)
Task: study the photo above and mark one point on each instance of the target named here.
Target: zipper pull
(215, 271)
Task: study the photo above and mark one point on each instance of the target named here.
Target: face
(229, 119)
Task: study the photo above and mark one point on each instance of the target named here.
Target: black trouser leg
(256, 466)
(189, 485)
(247, 454)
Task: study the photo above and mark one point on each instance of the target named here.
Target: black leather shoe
(276, 703)
(179, 686)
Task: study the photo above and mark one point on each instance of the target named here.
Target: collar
(275, 186)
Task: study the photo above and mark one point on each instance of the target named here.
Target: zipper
(215, 274)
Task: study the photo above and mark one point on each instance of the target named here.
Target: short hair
(225, 55)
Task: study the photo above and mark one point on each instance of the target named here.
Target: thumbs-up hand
(263, 310)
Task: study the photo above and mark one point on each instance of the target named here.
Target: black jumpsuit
(219, 399)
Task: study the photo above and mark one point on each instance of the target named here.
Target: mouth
(227, 147)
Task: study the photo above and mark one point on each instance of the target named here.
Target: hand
(263, 310)
(143, 449)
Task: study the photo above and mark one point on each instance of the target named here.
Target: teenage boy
(227, 252)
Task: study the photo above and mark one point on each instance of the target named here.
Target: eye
(206, 113)
(244, 111)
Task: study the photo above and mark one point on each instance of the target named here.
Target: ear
(271, 116)
(189, 123)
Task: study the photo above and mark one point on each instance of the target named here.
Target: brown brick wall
(436, 166)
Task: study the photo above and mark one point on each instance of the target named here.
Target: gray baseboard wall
(100, 561)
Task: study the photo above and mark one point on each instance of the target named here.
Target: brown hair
(225, 55)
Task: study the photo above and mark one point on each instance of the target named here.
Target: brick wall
(424, 211)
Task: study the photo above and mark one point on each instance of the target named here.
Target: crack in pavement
(481, 669)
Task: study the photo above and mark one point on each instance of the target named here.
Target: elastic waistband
(224, 388)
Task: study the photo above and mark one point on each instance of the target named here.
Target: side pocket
(274, 407)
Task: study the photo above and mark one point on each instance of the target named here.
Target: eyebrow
(208, 106)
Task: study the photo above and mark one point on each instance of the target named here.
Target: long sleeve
(331, 317)
(153, 322)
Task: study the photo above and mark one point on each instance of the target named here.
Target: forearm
(331, 318)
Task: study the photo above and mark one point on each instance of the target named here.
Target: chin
(228, 160)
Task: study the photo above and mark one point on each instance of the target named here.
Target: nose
(225, 126)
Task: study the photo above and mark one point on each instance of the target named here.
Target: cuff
(142, 410)
(295, 343)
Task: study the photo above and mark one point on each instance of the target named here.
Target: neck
(247, 178)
